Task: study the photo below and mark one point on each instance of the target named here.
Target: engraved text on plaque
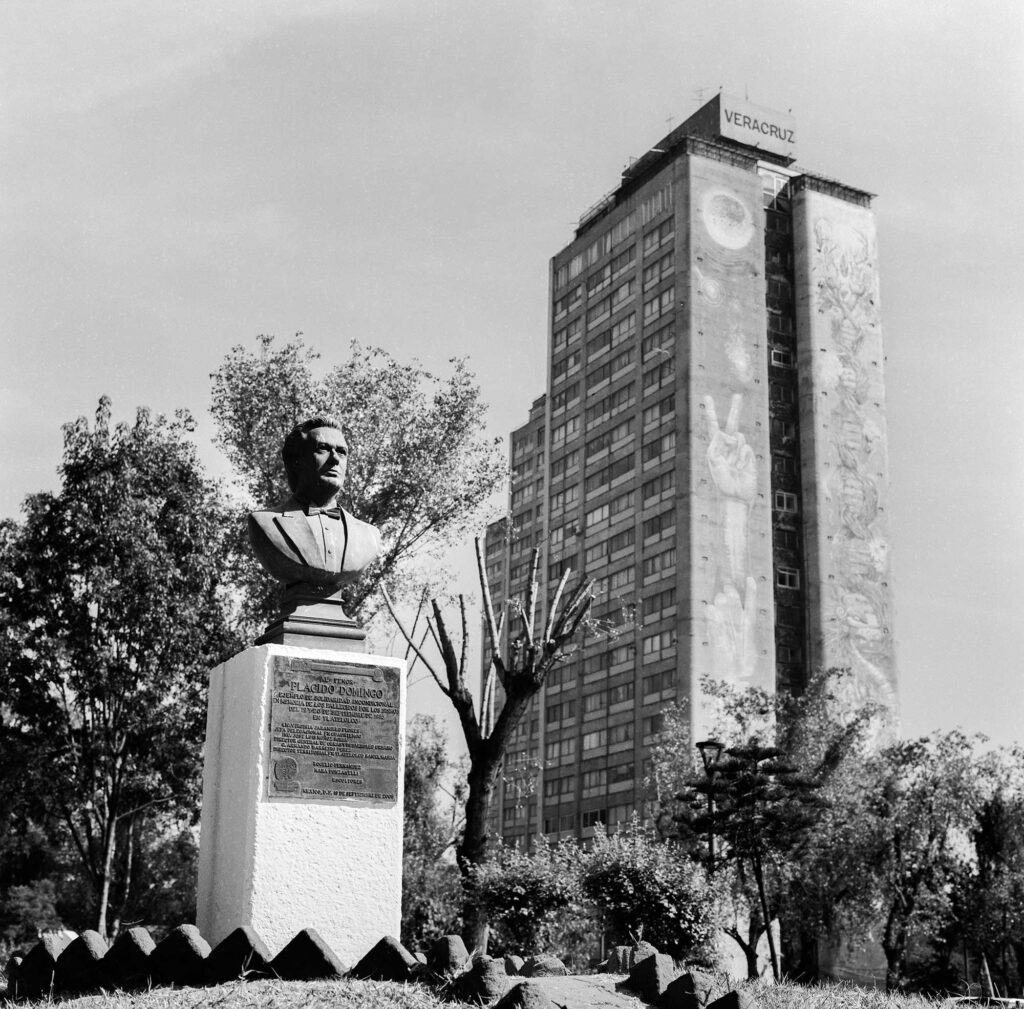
(334, 732)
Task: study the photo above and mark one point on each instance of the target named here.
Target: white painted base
(282, 865)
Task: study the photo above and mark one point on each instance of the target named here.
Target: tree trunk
(104, 881)
(894, 945)
(748, 946)
(759, 876)
(472, 849)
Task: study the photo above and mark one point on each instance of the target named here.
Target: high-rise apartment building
(711, 449)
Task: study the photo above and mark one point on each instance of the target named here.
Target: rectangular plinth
(302, 797)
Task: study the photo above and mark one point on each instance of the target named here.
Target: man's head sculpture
(312, 546)
(315, 455)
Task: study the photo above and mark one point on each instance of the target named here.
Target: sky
(176, 178)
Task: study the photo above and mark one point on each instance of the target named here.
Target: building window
(659, 646)
(623, 329)
(620, 733)
(659, 682)
(617, 695)
(659, 375)
(561, 432)
(659, 525)
(786, 502)
(557, 748)
(655, 204)
(657, 271)
(658, 448)
(659, 305)
(620, 773)
(653, 724)
(659, 565)
(594, 702)
(554, 787)
(782, 357)
(594, 780)
(623, 261)
(657, 237)
(597, 515)
(600, 280)
(564, 711)
(623, 229)
(568, 302)
(663, 484)
(620, 581)
(566, 398)
(659, 411)
(595, 740)
(787, 578)
(567, 462)
(592, 817)
(658, 604)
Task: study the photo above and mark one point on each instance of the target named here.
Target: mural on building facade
(856, 601)
(725, 320)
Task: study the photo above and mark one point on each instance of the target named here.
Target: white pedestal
(293, 842)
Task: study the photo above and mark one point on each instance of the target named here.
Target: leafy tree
(28, 910)
(643, 888)
(420, 465)
(431, 892)
(520, 661)
(526, 894)
(112, 609)
(990, 899)
(811, 731)
(763, 811)
(908, 836)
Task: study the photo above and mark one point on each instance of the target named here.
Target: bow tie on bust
(333, 513)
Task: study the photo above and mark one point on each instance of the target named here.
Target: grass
(383, 995)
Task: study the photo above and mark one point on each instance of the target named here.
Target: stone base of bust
(313, 619)
(282, 864)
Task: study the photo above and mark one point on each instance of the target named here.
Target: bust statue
(310, 544)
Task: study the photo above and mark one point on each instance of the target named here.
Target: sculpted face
(320, 466)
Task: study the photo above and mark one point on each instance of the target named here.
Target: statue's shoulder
(264, 518)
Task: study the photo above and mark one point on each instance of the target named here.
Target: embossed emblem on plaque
(334, 732)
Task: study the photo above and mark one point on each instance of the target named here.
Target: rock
(638, 953)
(180, 957)
(526, 995)
(651, 977)
(485, 981)
(734, 1000)
(448, 956)
(307, 958)
(126, 964)
(618, 960)
(513, 964)
(80, 966)
(695, 988)
(543, 965)
(240, 954)
(36, 972)
(389, 960)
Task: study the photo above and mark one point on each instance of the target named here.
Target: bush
(645, 888)
(526, 893)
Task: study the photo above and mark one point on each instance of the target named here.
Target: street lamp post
(710, 751)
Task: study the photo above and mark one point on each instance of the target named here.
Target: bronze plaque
(334, 732)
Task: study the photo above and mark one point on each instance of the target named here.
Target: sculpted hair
(297, 436)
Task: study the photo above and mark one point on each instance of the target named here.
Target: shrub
(525, 893)
(645, 887)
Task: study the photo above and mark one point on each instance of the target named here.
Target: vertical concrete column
(844, 446)
(302, 797)
(727, 462)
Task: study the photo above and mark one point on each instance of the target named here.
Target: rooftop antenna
(699, 95)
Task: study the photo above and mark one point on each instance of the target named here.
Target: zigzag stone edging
(56, 965)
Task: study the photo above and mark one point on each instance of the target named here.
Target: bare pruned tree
(523, 650)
